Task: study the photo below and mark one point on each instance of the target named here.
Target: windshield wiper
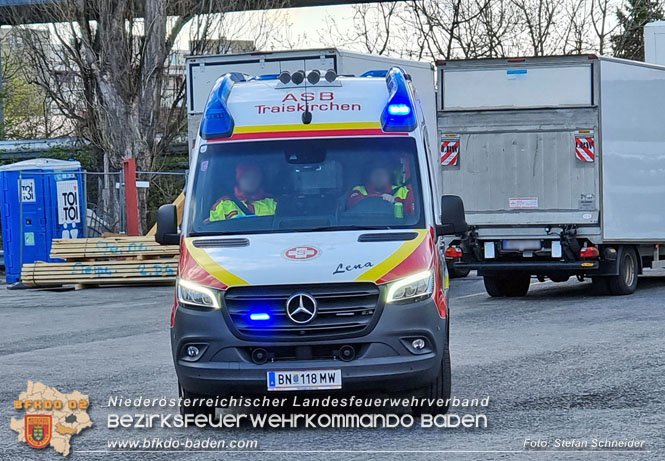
(340, 228)
(210, 233)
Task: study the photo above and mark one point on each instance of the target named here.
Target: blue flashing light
(398, 115)
(399, 109)
(217, 121)
(376, 73)
(259, 316)
(267, 77)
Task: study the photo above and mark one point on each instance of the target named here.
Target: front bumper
(384, 361)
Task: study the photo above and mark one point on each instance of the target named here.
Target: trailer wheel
(518, 285)
(626, 282)
(495, 285)
(599, 285)
(513, 285)
(456, 273)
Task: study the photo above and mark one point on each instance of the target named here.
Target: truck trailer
(560, 163)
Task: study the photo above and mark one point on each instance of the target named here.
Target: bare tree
(599, 14)
(499, 23)
(539, 20)
(372, 28)
(109, 67)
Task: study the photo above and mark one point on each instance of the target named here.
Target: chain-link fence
(94, 199)
(40, 206)
(158, 189)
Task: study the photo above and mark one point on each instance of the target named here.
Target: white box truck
(654, 42)
(560, 163)
(203, 72)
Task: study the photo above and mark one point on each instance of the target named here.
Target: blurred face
(250, 182)
(379, 178)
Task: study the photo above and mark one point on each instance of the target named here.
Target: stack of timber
(119, 260)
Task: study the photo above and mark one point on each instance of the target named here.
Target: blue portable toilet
(48, 203)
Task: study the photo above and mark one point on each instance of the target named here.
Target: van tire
(626, 282)
(439, 389)
(194, 410)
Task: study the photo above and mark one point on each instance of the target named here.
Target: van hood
(300, 258)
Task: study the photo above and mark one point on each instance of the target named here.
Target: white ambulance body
(310, 243)
(203, 71)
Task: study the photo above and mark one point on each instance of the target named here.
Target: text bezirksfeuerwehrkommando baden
(294, 420)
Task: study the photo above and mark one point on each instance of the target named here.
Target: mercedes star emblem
(301, 308)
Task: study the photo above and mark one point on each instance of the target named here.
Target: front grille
(345, 309)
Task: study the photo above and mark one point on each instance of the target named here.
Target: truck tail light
(454, 253)
(589, 252)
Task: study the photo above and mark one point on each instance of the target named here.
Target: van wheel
(438, 390)
(512, 285)
(626, 282)
(194, 409)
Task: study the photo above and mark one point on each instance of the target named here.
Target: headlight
(194, 294)
(411, 288)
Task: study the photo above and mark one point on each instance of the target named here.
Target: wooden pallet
(95, 273)
(116, 260)
(111, 248)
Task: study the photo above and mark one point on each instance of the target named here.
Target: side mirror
(167, 225)
(453, 221)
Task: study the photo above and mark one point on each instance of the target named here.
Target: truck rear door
(518, 140)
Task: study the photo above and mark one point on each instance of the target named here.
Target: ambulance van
(309, 242)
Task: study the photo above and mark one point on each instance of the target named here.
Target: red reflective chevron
(450, 152)
(584, 149)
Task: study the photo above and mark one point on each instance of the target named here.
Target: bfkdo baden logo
(38, 430)
(51, 417)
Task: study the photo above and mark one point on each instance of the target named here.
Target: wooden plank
(115, 247)
(100, 272)
(120, 282)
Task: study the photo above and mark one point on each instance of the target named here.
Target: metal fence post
(20, 222)
(84, 173)
(131, 196)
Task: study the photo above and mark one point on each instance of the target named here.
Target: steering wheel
(373, 206)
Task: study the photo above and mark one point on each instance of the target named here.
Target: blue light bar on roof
(398, 115)
(375, 73)
(217, 121)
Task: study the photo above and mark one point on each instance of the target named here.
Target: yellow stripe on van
(210, 266)
(310, 127)
(392, 261)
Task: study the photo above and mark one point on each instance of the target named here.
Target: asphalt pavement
(561, 364)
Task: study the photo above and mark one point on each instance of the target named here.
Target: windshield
(306, 185)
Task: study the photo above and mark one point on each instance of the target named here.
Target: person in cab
(248, 198)
(380, 183)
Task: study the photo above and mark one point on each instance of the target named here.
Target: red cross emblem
(300, 253)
